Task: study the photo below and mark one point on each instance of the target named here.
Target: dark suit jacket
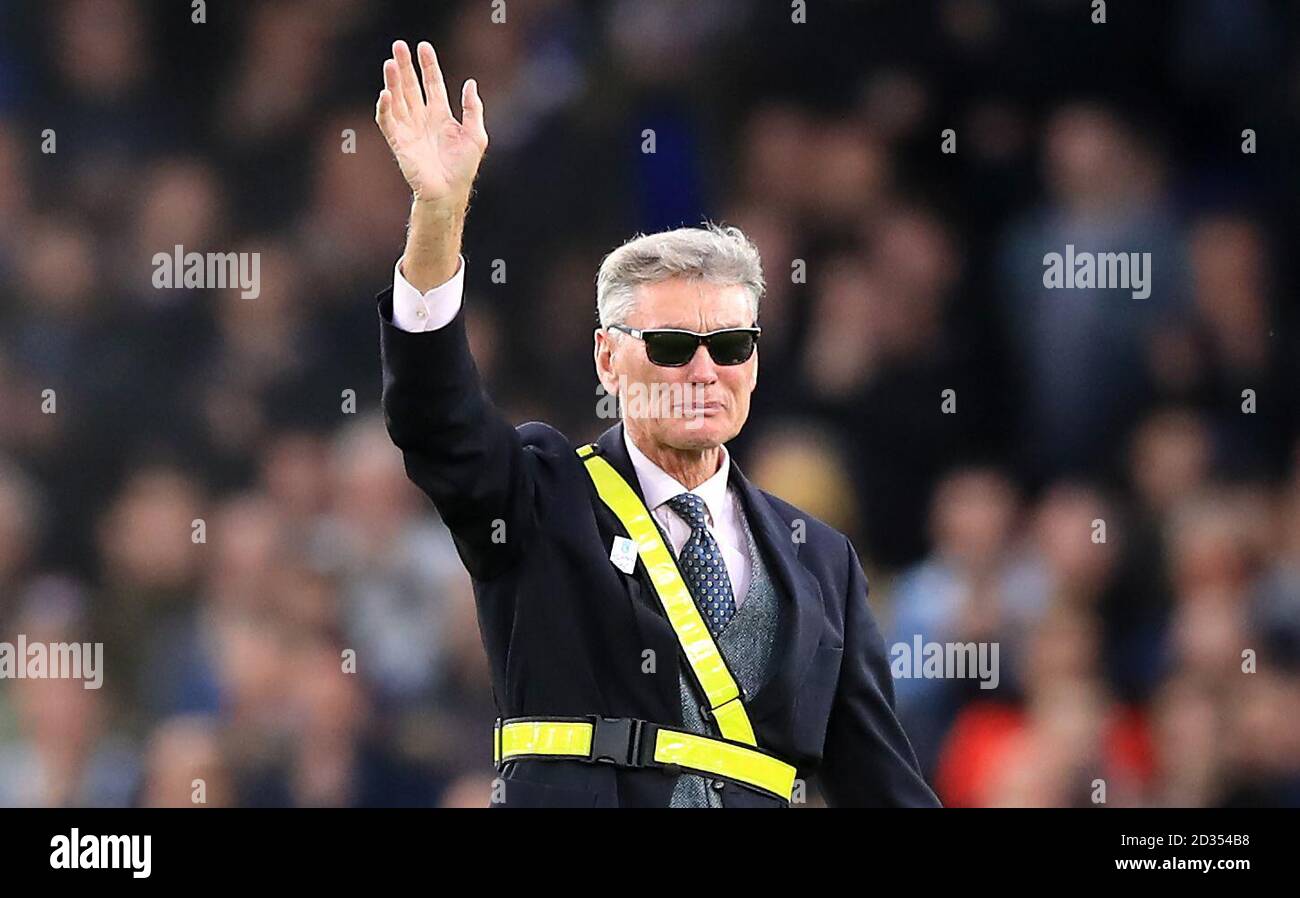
(566, 631)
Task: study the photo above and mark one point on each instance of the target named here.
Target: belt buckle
(616, 740)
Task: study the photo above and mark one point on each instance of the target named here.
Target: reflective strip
(720, 689)
(732, 718)
(724, 759)
(542, 737)
(702, 754)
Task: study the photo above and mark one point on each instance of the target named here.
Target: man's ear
(603, 354)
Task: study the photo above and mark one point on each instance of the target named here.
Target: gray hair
(712, 253)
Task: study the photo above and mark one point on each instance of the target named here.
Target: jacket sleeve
(455, 444)
(867, 760)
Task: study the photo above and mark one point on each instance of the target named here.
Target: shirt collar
(658, 486)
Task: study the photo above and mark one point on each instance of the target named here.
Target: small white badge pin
(623, 554)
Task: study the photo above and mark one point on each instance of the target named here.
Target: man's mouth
(698, 409)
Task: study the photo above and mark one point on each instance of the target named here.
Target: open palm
(438, 155)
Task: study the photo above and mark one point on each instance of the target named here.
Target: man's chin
(695, 434)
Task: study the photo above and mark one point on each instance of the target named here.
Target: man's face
(700, 405)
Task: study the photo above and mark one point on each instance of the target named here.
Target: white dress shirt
(722, 505)
(417, 312)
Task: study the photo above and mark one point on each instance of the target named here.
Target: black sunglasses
(673, 348)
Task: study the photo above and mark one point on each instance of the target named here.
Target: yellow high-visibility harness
(629, 742)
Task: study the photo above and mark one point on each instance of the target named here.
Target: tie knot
(690, 508)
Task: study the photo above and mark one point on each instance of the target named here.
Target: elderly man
(661, 633)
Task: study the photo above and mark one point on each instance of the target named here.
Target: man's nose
(701, 368)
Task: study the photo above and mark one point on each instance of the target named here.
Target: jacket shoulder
(549, 450)
(818, 534)
(546, 440)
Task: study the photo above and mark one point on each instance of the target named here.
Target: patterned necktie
(702, 566)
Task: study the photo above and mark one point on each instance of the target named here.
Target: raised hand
(438, 155)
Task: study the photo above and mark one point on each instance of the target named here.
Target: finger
(384, 112)
(392, 84)
(410, 86)
(435, 88)
(472, 104)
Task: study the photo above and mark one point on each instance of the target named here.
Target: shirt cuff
(415, 312)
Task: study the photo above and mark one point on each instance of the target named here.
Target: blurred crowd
(203, 482)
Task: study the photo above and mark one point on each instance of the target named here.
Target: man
(660, 632)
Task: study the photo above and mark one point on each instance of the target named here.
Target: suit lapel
(800, 593)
